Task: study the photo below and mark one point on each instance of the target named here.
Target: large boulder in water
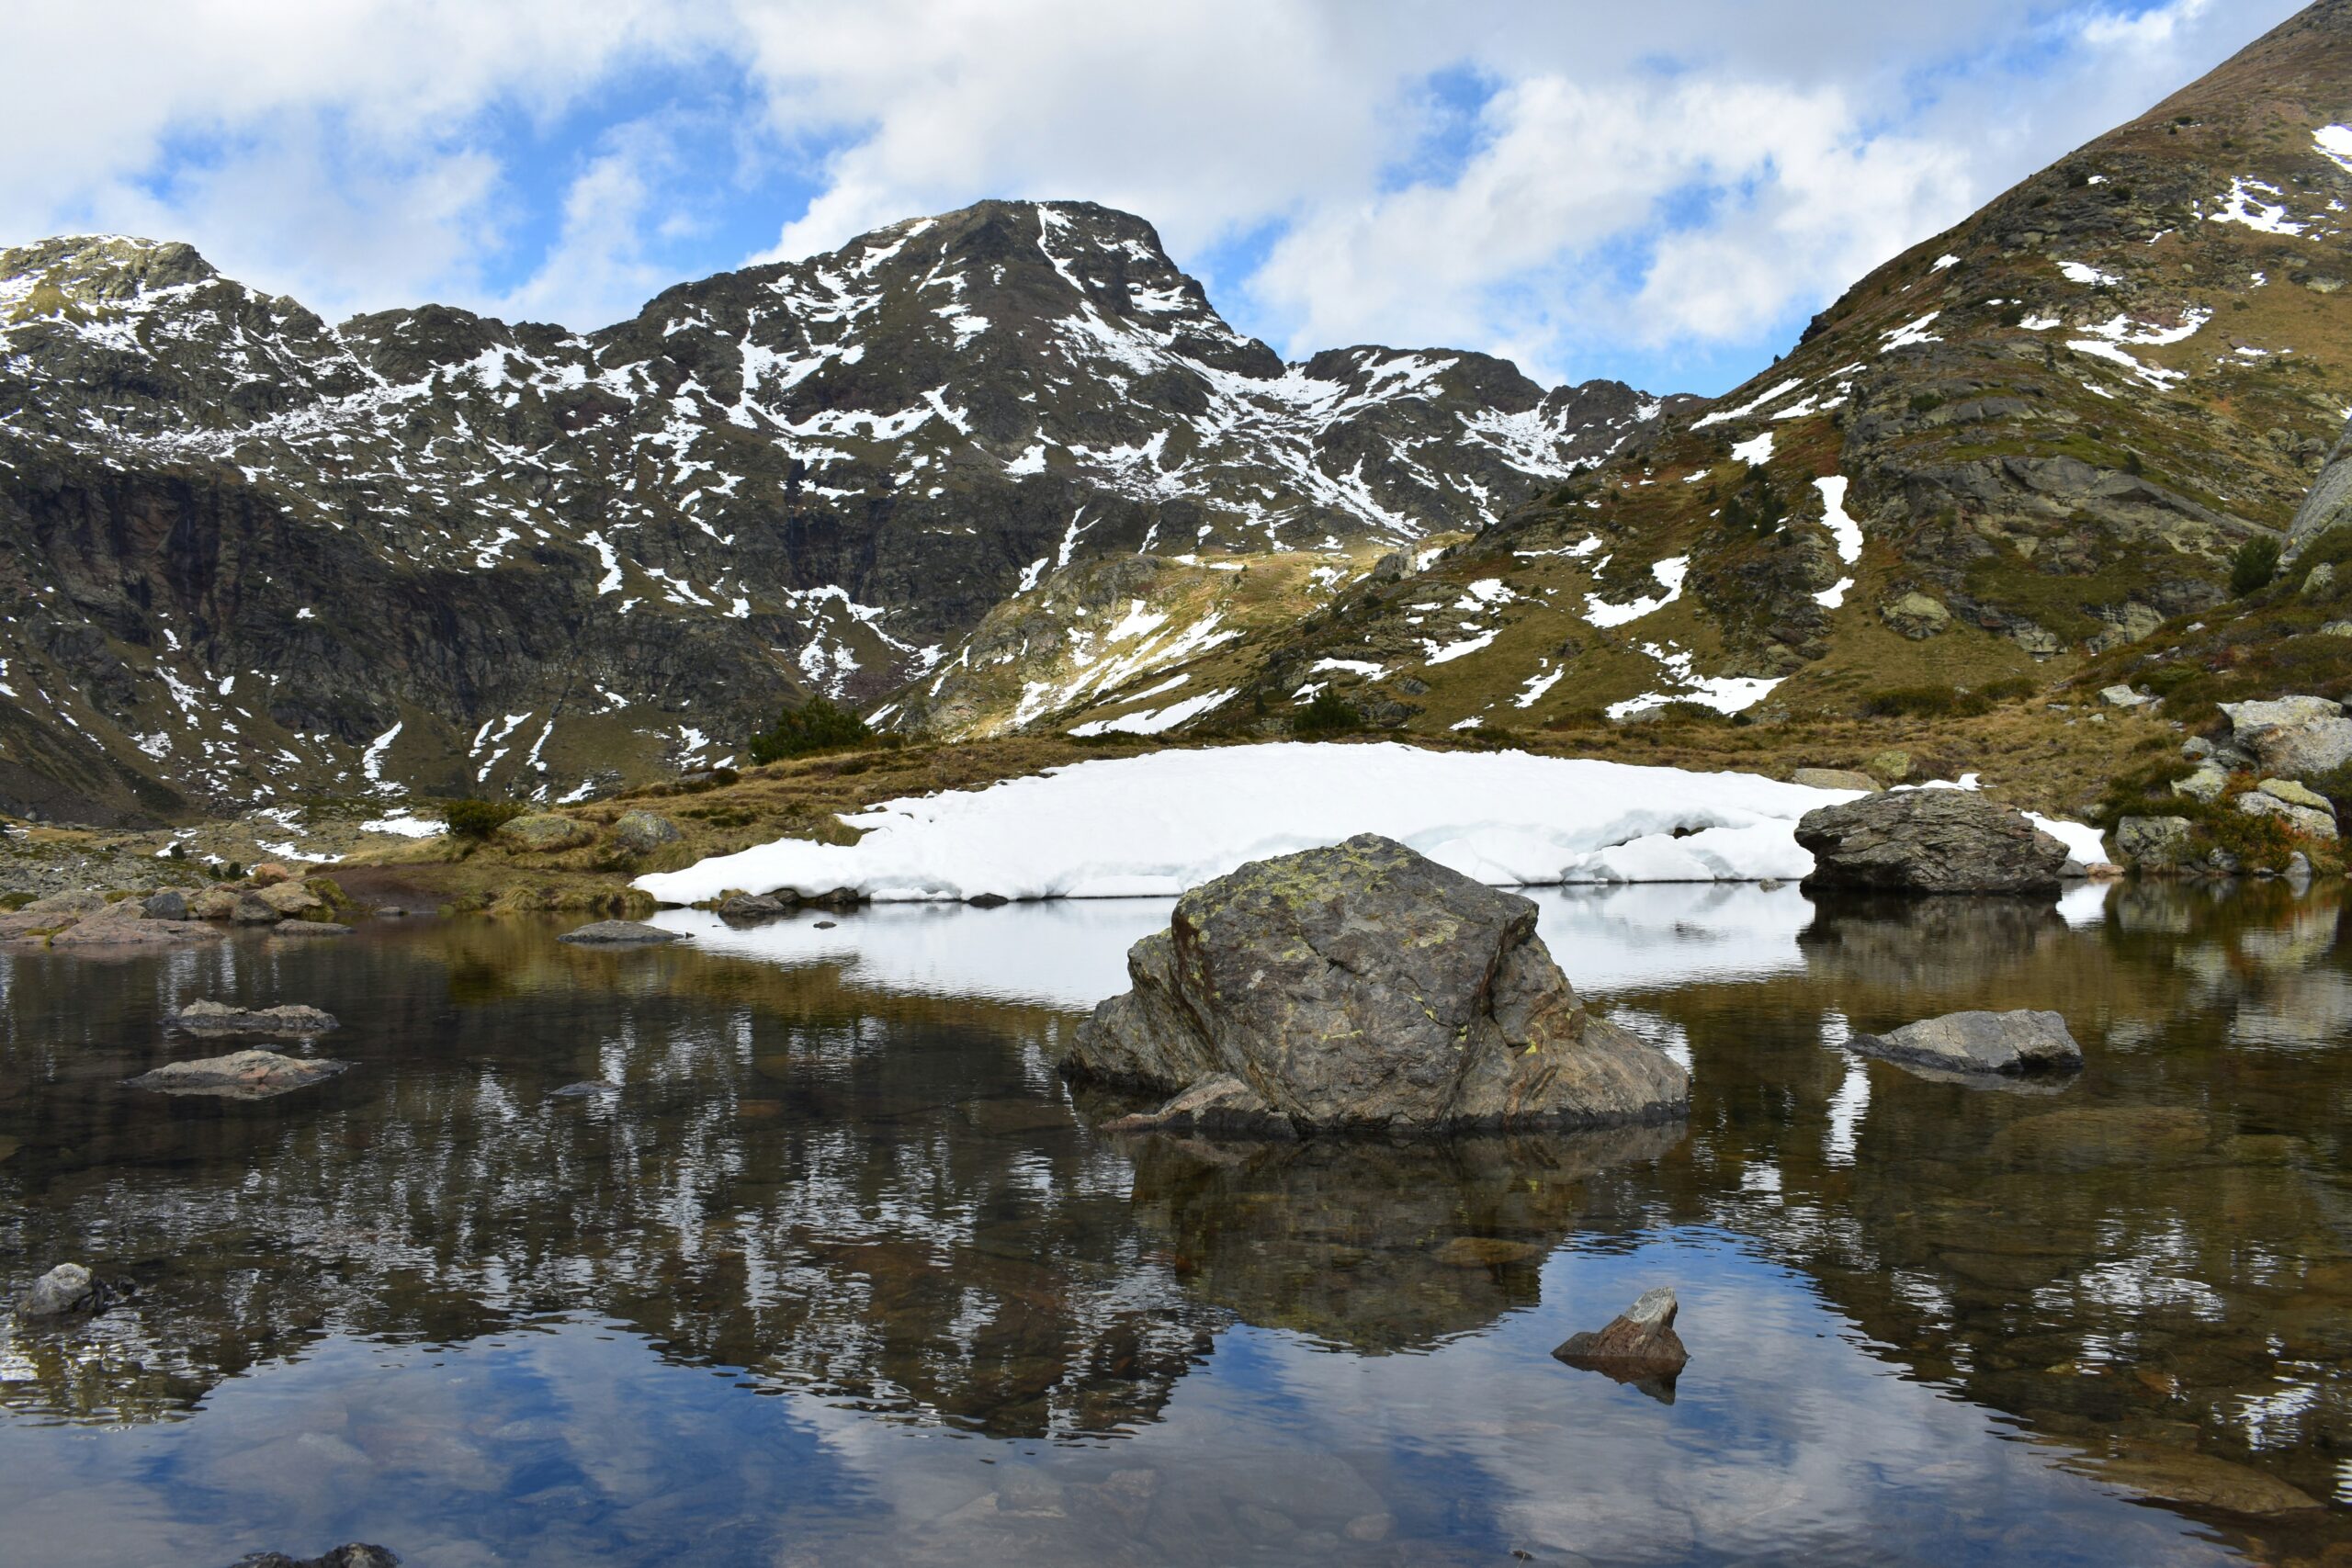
(1929, 841)
(1363, 986)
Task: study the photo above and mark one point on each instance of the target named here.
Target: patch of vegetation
(2253, 565)
(2336, 785)
(478, 819)
(817, 725)
(1926, 702)
(11, 902)
(1926, 402)
(1328, 713)
(1757, 508)
(2146, 791)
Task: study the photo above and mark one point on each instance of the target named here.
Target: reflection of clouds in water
(1848, 1106)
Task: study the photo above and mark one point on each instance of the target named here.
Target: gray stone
(125, 924)
(2123, 697)
(171, 903)
(1916, 616)
(2336, 629)
(219, 1018)
(2294, 793)
(1834, 778)
(1928, 840)
(309, 928)
(241, 1075)
(2151, 842)
(2018, 1042)
(586, 1089)
(2319, 579)
(2301, 819)
(1638, 1346)
(2329, 505)
(620, 934)
(249, 909)
(68, 1288)
(2297, 738)
(545, 832)
(642, 832)
(2299, 867)
(748, 906)
(2196, 747)
(2206, 783)
(1363, 986)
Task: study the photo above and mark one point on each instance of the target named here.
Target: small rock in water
(311, 928)
(824, 925)
(620, 934)
(241, 1075)
(1638, 1347)
(68, 1288)
(2020, 1042)
(584, 1088)
(1928, 840)
(987, 900)
(357, 1554)
(751, 907)
(217, 1018)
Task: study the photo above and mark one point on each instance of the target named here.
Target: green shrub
(1926, 702)
(2008, 689)
(1926, 402)
(817, 725)
(471, 818)
(2253, 565)
(1328, 713)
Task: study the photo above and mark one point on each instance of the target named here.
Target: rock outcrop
(1364, 986)
(2294, 736)
(1929, 841)
(356, 1554)
(642, 832)
(620, 933)
(2009, 1042)
(2329, 505)
(2158, 843)
(241, 1075)
(1638, 1346)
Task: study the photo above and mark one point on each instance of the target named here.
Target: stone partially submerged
(620, 934)
(219, 1018)
(65, 1291)
(1929, 841)
(241, 1075)
(2007, 1042)
(1364, 986)
(1638, 1346)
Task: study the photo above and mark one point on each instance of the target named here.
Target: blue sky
(1663, 194)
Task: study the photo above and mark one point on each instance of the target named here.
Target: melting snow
(2078, 272)
(1669, 573)
(2242, 206)
(2335, 144)
(1153, 723)
(1753, 452)
(1156, 824)
(1771, 394)
(1842, 528)
(1910, 333)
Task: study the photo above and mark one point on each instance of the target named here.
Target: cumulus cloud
(1560, 184)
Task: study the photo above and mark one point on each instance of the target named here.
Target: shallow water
(841, 1273)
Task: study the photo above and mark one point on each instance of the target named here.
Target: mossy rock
(642, 832)
(545, 833)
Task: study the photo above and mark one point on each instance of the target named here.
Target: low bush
(471, 818)
(2253, 565)
(817, 725)
(1328, 713)
(1926, 702)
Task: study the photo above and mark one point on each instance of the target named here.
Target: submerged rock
(585, 1090)
(1222, 1106)
(620, 934)
(2020, 1042)
(1638, 1346)
(69, 1288)
(219, 1018)
(241, 1075)
(1929, 841)
(309, 928)
(1363, 986)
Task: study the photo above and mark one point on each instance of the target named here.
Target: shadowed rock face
(1365, 986)
(2329, 505)
(1929, 841)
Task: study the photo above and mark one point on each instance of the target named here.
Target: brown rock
(1638, 1346)
(241, 1075)
(268, 874)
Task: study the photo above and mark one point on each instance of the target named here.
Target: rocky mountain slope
(251, 554)
(2029, 444)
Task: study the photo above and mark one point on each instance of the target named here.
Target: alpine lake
(819, 1262)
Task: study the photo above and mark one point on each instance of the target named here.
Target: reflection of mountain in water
(883, 1207)
(890, 1200)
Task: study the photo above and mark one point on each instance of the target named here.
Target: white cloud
(365, 153)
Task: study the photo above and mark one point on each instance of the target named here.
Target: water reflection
(837, 1169)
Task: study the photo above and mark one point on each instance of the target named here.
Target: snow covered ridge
(1155, 825)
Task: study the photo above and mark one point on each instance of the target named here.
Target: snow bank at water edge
(1157, 824)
